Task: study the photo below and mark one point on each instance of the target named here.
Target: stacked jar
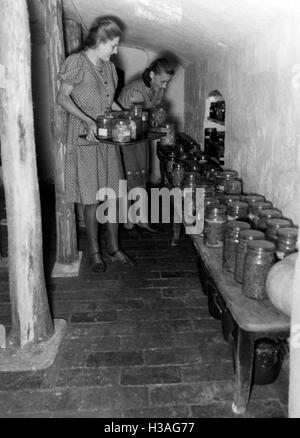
(145, 123)
(135, 117)
(225, 180)
(233, 186)
(178, 174)
(170, 164)
(121, 130)
(215, 221)
(259, 259)
(158, 116)
(237, 211)
(169, 135)
(255, 207)
(244, 237)
(104, 127)
(266, 214)
(273, 225)
(191, 180)
(231, 241)
(286, 242)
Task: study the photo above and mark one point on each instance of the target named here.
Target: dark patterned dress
(136, 158)
(89, 166)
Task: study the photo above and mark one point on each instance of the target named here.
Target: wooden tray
(150, 137)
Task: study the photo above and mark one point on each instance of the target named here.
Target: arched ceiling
(187, 28)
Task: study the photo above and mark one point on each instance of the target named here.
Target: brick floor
(140, 343)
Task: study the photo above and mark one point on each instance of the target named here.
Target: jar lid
(230, 174)
(254, 198)
(251, 235)
(238, 204)
(216, 208)
(261, 246)
(271, 212)
(232, 198)
(168, 125)
(238, 225)
(211, 200)
(261, 205)
(288, 232)
(278, 223)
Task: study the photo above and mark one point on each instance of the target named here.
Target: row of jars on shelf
(253, 234)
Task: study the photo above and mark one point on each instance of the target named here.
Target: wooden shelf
(219, 122)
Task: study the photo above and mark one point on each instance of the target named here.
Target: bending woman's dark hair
(158, 66)
(102, 30)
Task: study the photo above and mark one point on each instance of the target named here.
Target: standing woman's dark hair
(158, 66)
(102, 30)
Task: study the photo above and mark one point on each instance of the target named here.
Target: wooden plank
(66, 242)
(250, 315)
(31, 320)
(73, 43)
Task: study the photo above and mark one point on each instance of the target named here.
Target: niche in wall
(214, 126)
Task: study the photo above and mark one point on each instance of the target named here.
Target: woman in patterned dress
(148, 91)
(88, 83)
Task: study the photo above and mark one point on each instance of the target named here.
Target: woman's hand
(91, 129)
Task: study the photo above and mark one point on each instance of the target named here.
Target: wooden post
(31, 320)
(66, 252)
(73, 43)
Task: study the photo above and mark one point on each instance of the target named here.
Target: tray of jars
(151, 136)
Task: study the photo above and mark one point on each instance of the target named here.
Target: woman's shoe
(121, 257)
(97, 263)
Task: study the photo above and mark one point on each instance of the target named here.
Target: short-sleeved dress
(136, 159)
(89, 166)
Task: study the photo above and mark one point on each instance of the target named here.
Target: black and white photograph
(149, 212)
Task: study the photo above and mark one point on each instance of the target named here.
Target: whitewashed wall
(258, 81)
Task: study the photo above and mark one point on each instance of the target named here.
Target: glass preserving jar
(255, 207)
(224, 178)
(221, 197)
(191, 180)
(215, 221)
(286, 242)
(170, 164)
(273, 225)
(178, 174)
(231, 241)
(245, 237)
(259, 259)
(158, 116)
(121, 130)
(265, 215)
(237, 211)
(211, 200)
(136, 109)
(232, 186)
(209, 189)
(212, 174)
(169, 136)
(104, 127)
(136, 127)
(193, 166)
(145, 123)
